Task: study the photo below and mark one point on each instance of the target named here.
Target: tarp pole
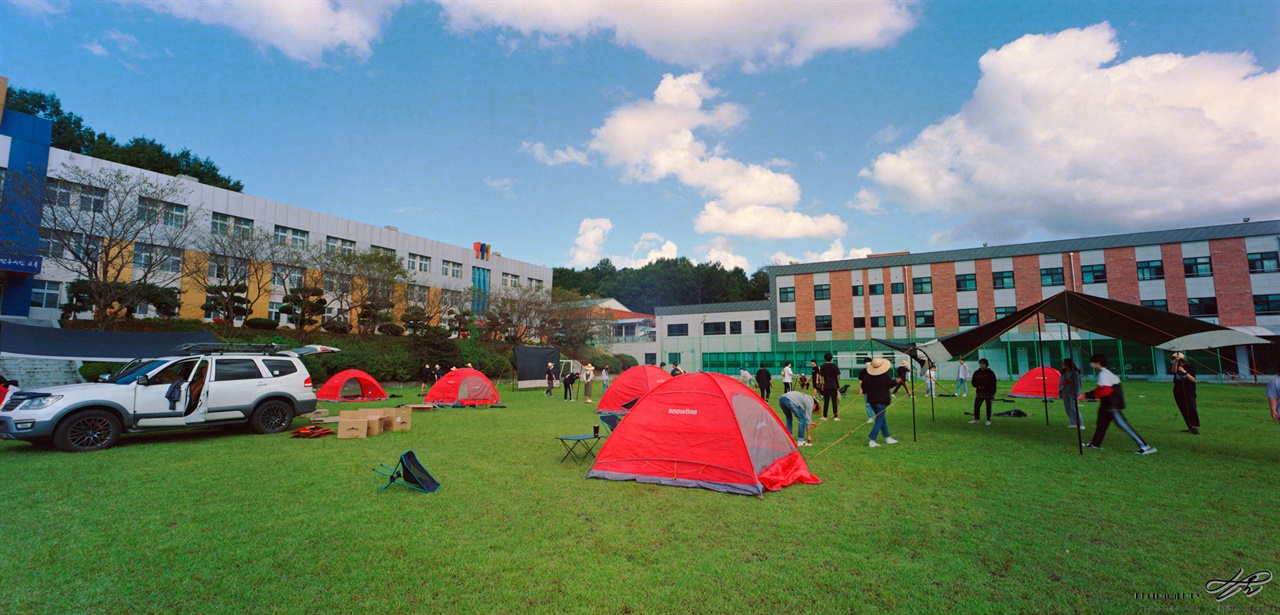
(1066, 307)
(1221, 377)
(1044, 386)
(911, 370)
(1124, 374)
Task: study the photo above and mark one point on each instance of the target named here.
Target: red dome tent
(466, 386)
(1037, 383)
(703, 430)
(630, 386)
(370, 390)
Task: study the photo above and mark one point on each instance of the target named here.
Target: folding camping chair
(410, 469)
(611, 421)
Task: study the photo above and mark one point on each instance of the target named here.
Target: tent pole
(1044, 386)
(1066, 305)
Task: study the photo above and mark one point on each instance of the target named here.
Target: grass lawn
(1006, 518)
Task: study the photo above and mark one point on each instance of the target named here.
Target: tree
(236, 263)
(364, 284)
(667, 281)
(119, 232)
(516, 314)
(80, 294)
(304, 305)
(571, 324)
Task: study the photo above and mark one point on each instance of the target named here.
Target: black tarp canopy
(531, 365)
(1115, 319)
(25, 341)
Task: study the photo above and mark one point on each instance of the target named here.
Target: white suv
(213, 384)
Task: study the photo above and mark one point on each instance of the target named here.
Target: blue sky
(747, 133)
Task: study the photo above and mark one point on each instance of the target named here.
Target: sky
(745, 133)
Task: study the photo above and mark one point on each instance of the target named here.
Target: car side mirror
(104, 377)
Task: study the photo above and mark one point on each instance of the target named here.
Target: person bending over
(799, 405)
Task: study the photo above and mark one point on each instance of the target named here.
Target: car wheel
(91, 430)
(272, 416)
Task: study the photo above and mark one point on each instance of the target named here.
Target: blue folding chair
(611, 421)
(409, 473)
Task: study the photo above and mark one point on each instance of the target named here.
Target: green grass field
(1006, 518)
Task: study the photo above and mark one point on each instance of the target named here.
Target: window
(787, 324)
(968, 317)
(762, 326)
(1001, 312)
(337, 283)
(168, 214)
(921, 286)
(876, 289)
(822, 323)
(859, 322)
(157, 258)
(1051, 277)
(291, 237)
(858, 290)
(536, 283)
(1197, 267)
(225, 224)
(1002, 280)
(418, 262)
(1093, 274)
(1157, 304)
(273, 310)
(279, 367)
(897, 288)
(924, 318)
(226, 268)
(1150, 270)
(338, 245)
(49, 245)
(59, 193)
(900, 321)
(877, 321)
(787, 295)
(713, 328)
(735, 327)
(966, 281)
(650, 358)
(510, 280)
(1203, 306)
(1264, 262)
(821, 292)
(93, 199)
(46, 294)
(235, 369)
(451, 269)
(383, 250)
(1263, 305)
(480, 284)
(681, 330)
(286, 275)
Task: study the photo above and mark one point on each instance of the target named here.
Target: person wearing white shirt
(1110, 396)
(786, 377)
(962, 379)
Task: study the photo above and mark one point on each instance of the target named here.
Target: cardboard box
(422, 407)
(402, 420)
(353, 428)
(373, 425)
(353, 415)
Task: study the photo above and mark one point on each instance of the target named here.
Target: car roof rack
(221, 348)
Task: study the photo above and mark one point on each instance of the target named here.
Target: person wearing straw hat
(588, 377)
(875, 387)
(1184, 392)
(551, 378)
(1110, 396)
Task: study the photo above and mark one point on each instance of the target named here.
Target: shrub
(433, 345)
(488, 362)
(389, 328)
(90, 370)
(337, 326)
(627, 361)
(261, 323)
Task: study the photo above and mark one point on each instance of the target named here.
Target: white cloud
(649, 248)
(834, 252)
(720, 250)
(303, 30)
(43, 9)
(866, 202)
(886, 135)
(654, 139)
(590, 243)
(540, 153)
(95, 48)
(1057, 138)
(779, 163)
(501, 184)
(704, 35)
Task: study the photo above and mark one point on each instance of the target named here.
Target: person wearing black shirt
(568, 385)
(815, 377)
(1184, 392)
(903, 370)
(551, 378)
(675, 369)
(984, 389)
(875, 383)
(830, 387)
(863, 375)
(426, 375)
(764, 380)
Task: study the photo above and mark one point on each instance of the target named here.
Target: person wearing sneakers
(875, 387)
(931, 380)
(588, 378)
(1110, 396)
(962, 379)
(800, 405)
(1069, 392)
(1184, 392)
(787, 374)
(830, 387)
(863, 375)
(604, 380)
(984, 389)
(1273, 397)
(551, 378)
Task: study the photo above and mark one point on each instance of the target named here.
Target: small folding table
(578, 447)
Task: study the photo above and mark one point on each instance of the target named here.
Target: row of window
(717, 328)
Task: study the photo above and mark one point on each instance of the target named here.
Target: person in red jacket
(1110, 396)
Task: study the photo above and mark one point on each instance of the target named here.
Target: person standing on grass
(1110, 396)
(984, 389)
(1273, 397)
(551, 378)
(815, 376)
(569, 381)
(425, 374)
(800, 405)
(1184, 392)
(438, 373)
(604, 380)
(588, 378)
(863, 375)
(787, 374)
(930, 379)
(903, 371)
(962, 379)
(830, 387)
(875, 387)
(1069, 392)
(764, 380)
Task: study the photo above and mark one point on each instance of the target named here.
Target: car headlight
(40, 403)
